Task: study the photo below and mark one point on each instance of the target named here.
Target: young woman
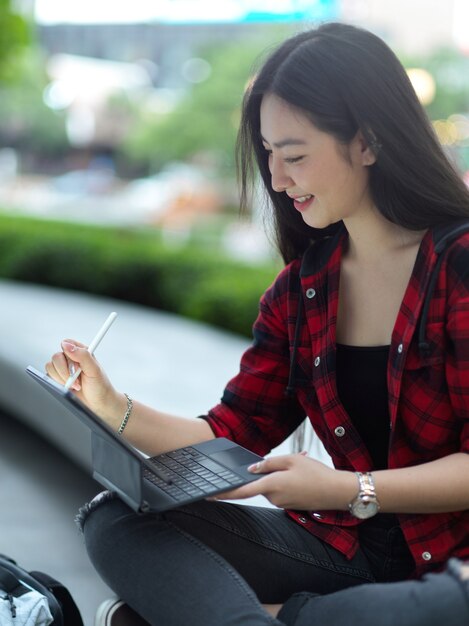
(365, 332)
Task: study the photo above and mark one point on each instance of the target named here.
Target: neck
(373, 237)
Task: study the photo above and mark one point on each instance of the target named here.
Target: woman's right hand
(92, 387)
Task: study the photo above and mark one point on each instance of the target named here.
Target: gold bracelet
(125, 419)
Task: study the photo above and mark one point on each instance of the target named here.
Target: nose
(280, 180)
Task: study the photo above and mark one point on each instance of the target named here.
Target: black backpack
(13, 581)
(443, 237)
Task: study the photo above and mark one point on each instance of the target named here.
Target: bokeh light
(423, 83)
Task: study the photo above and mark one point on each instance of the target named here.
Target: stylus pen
(92, 347)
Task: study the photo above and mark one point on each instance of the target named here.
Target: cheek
(307, 177)
(339, 179)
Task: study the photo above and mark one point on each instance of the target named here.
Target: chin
(316, 222)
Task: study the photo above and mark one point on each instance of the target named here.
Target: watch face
(365, 507)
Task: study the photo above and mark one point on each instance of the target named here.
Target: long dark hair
(346, 79)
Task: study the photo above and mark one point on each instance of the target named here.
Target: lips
(301, 203)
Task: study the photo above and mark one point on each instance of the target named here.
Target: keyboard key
(191, 473)
(221, 484)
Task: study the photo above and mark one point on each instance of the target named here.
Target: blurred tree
(14, 37)
(450, 70)
(26, 123)
(206, 118)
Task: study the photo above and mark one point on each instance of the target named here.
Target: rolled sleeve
(254, 410)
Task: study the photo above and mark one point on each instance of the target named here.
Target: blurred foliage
(25, 120)
(136, 266)
(14, 38)
(450, 70)
(206, 118)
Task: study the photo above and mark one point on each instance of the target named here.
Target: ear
(366, 154)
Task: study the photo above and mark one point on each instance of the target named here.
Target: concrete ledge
(24, 399)
(166, 361)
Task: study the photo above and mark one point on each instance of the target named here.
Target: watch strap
(366, 484)
(365, 504)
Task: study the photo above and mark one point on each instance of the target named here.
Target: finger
(71, 346)
(76, 343)
(246, 491)
(81, 358)
(52, 372)
(58, 367)
(274, 464)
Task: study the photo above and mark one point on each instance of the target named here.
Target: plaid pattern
(428, 394)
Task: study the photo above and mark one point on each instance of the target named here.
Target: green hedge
(136, 266)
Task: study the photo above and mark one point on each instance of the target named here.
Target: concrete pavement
(41, 491)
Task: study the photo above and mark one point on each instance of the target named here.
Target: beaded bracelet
(125, 419)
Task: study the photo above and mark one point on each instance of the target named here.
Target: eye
(294, 159)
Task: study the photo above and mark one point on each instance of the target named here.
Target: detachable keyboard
(190, 473)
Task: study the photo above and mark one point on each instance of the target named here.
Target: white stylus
(92, 347)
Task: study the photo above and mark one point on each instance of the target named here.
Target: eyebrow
(286, 142)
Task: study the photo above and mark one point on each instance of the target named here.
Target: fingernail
(255, 467)
(69, 347)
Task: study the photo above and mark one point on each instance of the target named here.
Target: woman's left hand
(295, 481)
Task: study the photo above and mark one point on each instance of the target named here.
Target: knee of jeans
(460, 570)
(291, 609)
(85, 511)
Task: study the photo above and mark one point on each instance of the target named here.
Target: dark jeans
(436, 600)
(213, 563)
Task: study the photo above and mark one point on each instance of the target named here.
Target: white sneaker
(114, 612)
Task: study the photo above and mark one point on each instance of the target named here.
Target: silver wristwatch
(366, 503)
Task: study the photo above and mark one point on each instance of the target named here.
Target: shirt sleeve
(254, 410)
(457, 362)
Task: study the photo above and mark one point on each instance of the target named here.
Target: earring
(374, 144)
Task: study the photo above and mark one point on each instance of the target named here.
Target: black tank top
(362, 389)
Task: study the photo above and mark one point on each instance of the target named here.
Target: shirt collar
(317, 256)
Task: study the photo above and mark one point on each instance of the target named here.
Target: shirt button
(310, 293)
(302, 519)
(426, 556)
(339, 431)
(317, 360)
(400, 347)
(317, 515)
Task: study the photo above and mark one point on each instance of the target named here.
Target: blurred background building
(128, 114)
(412, 26)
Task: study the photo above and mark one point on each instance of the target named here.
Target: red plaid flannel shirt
(428, 394)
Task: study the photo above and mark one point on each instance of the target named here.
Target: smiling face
(326, 180)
